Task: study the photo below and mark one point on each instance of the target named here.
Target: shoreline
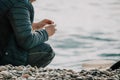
(100, 64)
(9, 72)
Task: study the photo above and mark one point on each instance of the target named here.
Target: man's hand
(32, 1)
(41, 24)
(50, 29)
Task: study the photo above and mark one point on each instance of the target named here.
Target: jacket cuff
(44, 34)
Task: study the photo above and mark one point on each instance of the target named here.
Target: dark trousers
(40, 55)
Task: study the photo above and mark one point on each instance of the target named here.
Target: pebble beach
(9, 72)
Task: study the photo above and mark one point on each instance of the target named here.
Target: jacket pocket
(15, 55)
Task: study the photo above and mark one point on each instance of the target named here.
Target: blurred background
(86, 30)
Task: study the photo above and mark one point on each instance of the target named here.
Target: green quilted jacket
(16, 17)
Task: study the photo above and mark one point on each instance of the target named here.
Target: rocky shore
(9, 72)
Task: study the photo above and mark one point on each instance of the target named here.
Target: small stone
(31, 78)
(40, 79)
(6, 74)
(1, 78)
(89, 77)
(25, 75)
(79, 78)
(2, 68)
(74, 75)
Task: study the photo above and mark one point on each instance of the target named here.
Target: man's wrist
(34, 26)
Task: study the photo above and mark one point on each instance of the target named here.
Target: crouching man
(22, 42)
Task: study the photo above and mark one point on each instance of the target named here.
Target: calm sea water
(86, 30)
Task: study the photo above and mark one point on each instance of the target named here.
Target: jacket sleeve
(19, 17)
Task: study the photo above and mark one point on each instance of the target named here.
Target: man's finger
(48, 21)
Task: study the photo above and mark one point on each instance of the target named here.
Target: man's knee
(42, 55)
(47, 59)
(50, 55)
(42, 48)
(41, 59)
(47, 48)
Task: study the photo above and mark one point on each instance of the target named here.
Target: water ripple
(110, 55)
(98, 38)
